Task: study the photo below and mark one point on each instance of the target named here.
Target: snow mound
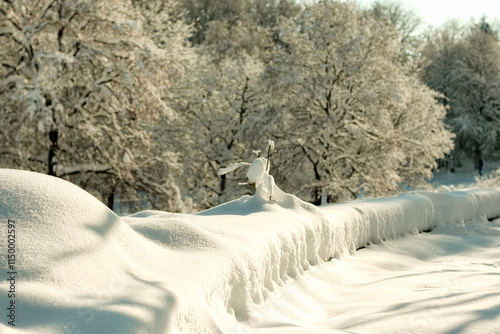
(84, 269)
(72, 268)
(376, 220)
(463, 206)
(56, 221)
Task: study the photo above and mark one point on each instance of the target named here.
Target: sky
(436, 12)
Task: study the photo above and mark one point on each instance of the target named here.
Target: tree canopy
(146, 100)
(80, 82)
(463, 63)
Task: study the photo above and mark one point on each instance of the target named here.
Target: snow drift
(82, 269)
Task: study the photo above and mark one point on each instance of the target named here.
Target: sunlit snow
(252, 265)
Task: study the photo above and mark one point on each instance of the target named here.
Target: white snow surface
(251, 265)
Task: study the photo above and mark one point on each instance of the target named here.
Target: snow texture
(83, 269)
(266, 187)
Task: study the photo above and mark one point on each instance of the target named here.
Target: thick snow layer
(376, 220)
(75, 263)
(252, 264)
(445, 281)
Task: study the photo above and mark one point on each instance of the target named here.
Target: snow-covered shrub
(258, 175)
(491, 181)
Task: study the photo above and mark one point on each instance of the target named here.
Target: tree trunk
(111, 200)
(52, 161)
(222, 184)
(318, 191)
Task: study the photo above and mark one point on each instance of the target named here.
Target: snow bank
(84, 269)
(74, 272)
(373, 221)
(461, 206)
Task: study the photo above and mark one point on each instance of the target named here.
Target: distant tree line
(463, 63)
(150, 98)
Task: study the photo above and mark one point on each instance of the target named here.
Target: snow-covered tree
(352, 117)
(242, 39)
(264, 13)
(464, 65)
(406, 20)
(202, 12)
(221, 99)
(441, 55)
(219, 106)
(80, 84)
(267, 13)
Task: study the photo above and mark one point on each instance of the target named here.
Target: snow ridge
(84, 269)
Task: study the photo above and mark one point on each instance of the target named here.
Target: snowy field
(248, 266)
(464, 176)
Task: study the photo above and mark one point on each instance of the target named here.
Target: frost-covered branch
(83, 168)
(343, 85)
(84, 92)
